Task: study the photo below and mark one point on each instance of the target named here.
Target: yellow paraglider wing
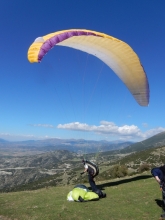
(118, 55)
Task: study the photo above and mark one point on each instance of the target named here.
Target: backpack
(92, 166)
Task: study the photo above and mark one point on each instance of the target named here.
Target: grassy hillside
(127, 199)
(130, 198)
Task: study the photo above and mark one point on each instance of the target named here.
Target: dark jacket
(160, 172)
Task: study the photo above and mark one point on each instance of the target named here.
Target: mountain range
(74, 145)
(78, 145)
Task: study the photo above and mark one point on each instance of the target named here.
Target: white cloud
(16, 137)
(110, 129)
(23, 137)
(42, 125)
(106, 130)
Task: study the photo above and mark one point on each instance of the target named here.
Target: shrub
(144, 167)
(118, 171)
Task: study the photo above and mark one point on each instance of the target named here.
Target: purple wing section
(47, 45)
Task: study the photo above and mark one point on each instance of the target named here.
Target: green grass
(127, 199)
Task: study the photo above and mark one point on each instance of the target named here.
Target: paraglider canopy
(118, 55)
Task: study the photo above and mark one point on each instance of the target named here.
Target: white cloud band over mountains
(106, 130)
(127, 132)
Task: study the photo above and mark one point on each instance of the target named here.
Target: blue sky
(71, 94)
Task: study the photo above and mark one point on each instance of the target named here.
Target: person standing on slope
(159, 174)
(92, 170)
